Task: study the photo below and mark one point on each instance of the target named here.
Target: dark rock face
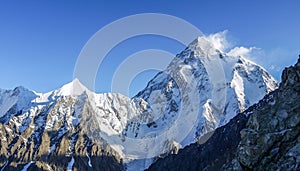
(264, 137)
(219, 149)
(271, 140)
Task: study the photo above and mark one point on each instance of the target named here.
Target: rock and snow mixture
(201, 90)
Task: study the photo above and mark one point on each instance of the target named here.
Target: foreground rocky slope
(264, 137)
(271, 140)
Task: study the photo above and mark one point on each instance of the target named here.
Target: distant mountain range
(201, 90)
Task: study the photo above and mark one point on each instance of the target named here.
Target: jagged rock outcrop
(264, 137)
(271, 140)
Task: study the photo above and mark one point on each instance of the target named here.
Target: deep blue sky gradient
(41, 40)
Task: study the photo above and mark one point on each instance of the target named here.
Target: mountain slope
(264, 137)
(73, 127)
(225, 85)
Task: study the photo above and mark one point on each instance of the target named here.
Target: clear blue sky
(41, 40)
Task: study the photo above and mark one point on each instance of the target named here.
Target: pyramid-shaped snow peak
(210, 44)
(73, 88)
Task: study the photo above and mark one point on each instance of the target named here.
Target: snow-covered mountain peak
(202, 45)
(73, 88)
(19, 91)
(209, 45)
(20, 88)
(16, 98)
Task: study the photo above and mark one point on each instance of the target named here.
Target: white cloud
(272, 67)
(275, 68)
(219, 40)
(273, 59)
(242, 51)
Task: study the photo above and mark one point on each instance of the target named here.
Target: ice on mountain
(237, 84)
(89, 160)
(70, 164)
(27, 166)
